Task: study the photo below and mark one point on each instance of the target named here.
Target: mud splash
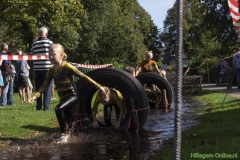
(105, 143)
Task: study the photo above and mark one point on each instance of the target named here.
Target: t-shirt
(147, 66)
(41, 47)
(21, 67)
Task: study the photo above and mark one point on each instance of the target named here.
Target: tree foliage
(92, 31)
(25, 17)
(208, 31)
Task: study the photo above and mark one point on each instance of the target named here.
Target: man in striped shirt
(40, 67)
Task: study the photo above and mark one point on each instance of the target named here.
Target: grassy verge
(23, 121)
(216, 137)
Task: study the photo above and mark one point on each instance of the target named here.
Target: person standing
(40, 67)
(230, 74)
(6, 74)
(22, 83)
(11, 84)
(236, 65)
(1, 81)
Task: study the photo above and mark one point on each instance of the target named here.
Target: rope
(179, 77)
(130, 118)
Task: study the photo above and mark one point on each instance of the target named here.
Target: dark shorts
(22, 81)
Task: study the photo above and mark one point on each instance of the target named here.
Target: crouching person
(110, 99)
(62, 73)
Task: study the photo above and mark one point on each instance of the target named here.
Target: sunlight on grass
(24, 121)
(217, 133)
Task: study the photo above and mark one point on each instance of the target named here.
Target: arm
(94, 109)
(156, 67)
(118, 99)
(73, 70)
(94, 112)
(138, 70)
(8, 71)
(28, 67)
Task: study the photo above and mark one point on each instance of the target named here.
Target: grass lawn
(23, 121)
(216, 137)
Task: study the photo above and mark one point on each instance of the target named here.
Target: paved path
(235, 92)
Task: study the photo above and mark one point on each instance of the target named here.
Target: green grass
(23, 121)
(218, 131)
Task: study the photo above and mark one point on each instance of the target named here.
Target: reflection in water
(104, 143)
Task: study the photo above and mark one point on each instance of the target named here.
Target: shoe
(47, 109)
(53, 98)
(63, 138)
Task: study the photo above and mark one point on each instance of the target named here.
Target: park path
(235, 92)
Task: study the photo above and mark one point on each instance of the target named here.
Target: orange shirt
(147, 66)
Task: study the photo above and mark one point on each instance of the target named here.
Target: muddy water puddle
(106, 144)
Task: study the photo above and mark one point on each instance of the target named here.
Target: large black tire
(160, 82)
(128, 86)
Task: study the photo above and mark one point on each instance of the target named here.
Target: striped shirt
(41, 47)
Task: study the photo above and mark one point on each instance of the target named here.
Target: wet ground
(106, 144)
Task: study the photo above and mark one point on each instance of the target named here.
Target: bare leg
(52, 93)
(21, 94)
(30, 90)
(28, 95)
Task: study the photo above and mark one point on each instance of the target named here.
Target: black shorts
(22, 81)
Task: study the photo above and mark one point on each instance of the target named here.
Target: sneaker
(63, 138)
(53, 98)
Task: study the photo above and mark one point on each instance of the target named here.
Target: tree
(207, 27)
(25, 17)
(118, 31)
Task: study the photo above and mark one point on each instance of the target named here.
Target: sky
(157, 9)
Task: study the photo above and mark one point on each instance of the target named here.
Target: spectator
(230, 75)
(40, 67)
(22, 83)
(148, 64)
(1, 81)
(6, 74)
(236, 65)
(11, 84)
(30, 87)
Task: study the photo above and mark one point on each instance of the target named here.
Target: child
(62, 73)
(130, 70)
(112, 98)
(230, 75)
